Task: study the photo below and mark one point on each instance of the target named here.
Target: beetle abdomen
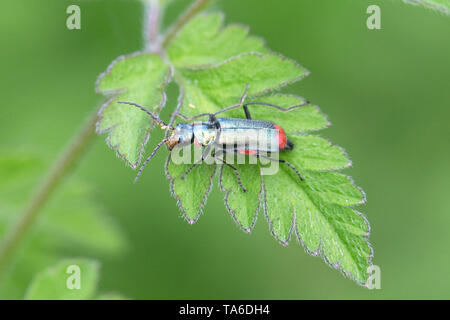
(252, 136)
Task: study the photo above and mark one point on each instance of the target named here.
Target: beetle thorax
(204, 133)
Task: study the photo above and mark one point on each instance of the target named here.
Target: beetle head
(182, 135)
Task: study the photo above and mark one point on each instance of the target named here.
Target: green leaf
(243, 206)
(191, 193)
(209, 89)
(315, 211)
(441, 5)
(338, 234)
(214, 88)
(56, 283)
(205, 41)
(316, 153)
(138, 78)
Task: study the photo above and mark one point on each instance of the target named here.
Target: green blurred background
(387, 93)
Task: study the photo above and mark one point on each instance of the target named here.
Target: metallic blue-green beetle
(236, 135)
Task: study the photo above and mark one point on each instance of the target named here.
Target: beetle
(235, 135)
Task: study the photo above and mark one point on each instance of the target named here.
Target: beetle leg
(214, 121)
(244, 95)
(236, 172)
(205, 152)
(241, 101)
(149, 158)
(204, 155)
(191, 168)
(247, 113)
(290, 165)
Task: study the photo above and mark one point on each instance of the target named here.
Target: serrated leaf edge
(270, 222)
(260, 55)
(332, 169)
(222, 27)
(319, 251)
(232, 212)
(115, 94)
(350, 179)
(177, 197)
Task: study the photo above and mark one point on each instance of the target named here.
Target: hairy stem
(152, 13)
(183, 19)
(63, 166)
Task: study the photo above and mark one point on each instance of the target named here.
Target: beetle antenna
(149, 158)
(155, 118)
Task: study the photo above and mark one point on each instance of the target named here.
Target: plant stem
(62, 167)
(152, 13)
(190, 12)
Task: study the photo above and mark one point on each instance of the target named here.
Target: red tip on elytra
(281, 137)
